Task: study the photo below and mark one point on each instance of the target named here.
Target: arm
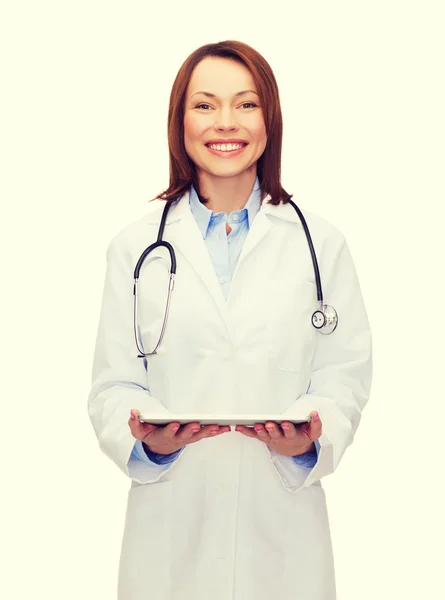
(340, 376)
(119, 378)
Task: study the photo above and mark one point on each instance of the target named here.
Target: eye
(244, 104)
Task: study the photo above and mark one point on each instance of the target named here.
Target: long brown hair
(182, 169)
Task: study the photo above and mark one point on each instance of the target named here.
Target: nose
(226, 119)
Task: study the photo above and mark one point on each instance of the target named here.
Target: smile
(226, 153)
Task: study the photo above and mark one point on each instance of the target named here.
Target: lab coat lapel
(258, 230)
(183, 233)
(261, 226)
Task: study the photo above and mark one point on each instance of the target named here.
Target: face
(215, 112)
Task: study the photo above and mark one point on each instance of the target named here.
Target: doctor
(215, 513)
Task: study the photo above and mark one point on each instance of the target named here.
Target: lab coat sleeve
(341, 372)
(119, 378)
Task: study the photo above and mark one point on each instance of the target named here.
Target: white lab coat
(230, 519)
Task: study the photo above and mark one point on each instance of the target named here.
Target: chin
(225, 172)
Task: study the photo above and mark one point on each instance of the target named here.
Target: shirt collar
(203, 214)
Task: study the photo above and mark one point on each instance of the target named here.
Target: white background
(84, 99)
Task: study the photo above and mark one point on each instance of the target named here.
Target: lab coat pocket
(291, 333)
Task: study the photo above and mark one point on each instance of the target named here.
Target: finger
(247, 431)
(189, 431)
(171, 429)
(221, 431)
(212, 430)
(134, 412)
(262, 433)
(134, 424)
(315, 426)
(273, 430)
(289, 430)
(139, 430)
(208, 431)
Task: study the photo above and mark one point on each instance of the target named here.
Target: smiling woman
(223, 94)
(229, 110)
(213, 512)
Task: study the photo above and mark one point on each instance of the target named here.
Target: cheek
(192, 129)
(258, 132)
(191, 135)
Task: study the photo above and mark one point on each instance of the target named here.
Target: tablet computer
(248, 420)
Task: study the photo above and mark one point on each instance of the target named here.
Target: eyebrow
(209, 95)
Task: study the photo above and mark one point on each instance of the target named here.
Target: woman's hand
(288, 440)
(170, 438)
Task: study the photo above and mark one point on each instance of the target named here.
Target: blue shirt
(224, 252)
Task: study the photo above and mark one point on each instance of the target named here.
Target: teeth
(226, 147)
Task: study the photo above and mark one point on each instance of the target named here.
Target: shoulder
(325, 229)
(324, 233)
(330, 244)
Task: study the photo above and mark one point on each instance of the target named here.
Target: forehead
(221, 76)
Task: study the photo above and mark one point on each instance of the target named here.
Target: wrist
(309, 448)
(148, 450)
(145, 447)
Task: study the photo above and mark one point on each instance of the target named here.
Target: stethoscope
(324, 319)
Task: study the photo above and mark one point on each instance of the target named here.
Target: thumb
(316, 426)
(138, 429)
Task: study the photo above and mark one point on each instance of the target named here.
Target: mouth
(227, 153)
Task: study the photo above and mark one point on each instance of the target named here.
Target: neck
(227, 193)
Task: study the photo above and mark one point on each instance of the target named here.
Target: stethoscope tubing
(158, 244)
(333, 318)
(312, 251)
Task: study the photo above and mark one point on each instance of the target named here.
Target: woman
(213, 512)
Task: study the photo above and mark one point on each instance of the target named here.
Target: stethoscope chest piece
(325, 320)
